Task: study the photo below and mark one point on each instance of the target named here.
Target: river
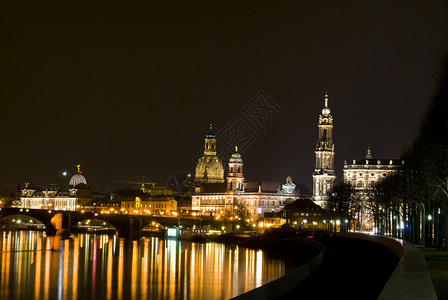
(93, 266)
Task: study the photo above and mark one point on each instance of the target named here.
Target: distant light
(64, 173)
(172, 232)
(429, 217)
(338, 222)
(95, 214)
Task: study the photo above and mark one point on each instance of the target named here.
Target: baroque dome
(236, 158)
(209, 169)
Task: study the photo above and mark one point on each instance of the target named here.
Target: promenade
(359, 266)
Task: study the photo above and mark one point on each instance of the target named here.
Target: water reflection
(105, 267)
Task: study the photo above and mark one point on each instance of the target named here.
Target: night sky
(130, 89)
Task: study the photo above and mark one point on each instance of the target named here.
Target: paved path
(411, 278)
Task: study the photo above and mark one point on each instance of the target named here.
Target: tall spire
(326, 110)
(369, 152)
(324, 175)
(210, 133)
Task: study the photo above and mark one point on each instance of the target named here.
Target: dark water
(88, 266)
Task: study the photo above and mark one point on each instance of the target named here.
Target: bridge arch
(93, 225)
(20, 221)
(43, 216)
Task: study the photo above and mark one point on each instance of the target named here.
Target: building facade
(152, 205)
(235, 197)
(79, 194)
(324, 175)
(363, 175)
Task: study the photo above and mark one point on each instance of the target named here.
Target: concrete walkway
(411, 278)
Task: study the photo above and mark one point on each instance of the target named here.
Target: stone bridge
(59, 222)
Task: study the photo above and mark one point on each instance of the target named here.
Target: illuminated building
(236, 197)
(271, 220)
(138, 202)
(324, 176)
(209, 168)
(363, 175)
(305, 213)
(78, 194)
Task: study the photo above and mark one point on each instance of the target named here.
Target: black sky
(129, 89)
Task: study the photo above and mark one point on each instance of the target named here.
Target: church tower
(324, 176)
(209, 168)
(235, 178)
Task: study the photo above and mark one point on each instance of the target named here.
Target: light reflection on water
(88, 266)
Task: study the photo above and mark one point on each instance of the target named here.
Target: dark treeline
(413, 204)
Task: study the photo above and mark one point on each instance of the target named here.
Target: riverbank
(352, 269)
(437, 261)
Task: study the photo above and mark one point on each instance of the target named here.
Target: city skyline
(130, 91)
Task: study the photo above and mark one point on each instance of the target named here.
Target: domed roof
(209, 169)
(236, 157)
(77, 179)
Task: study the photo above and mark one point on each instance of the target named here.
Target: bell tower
(324, 176)
(235, 177)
